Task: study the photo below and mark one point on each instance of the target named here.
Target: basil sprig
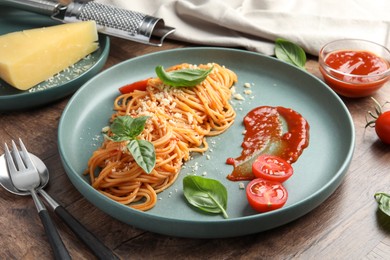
(182, 78)
(383, 200)
(127, 128)
(290, 52)
(205, 194)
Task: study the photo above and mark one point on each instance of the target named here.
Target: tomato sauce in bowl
(354, 68)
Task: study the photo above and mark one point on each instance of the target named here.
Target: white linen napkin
(256, 24)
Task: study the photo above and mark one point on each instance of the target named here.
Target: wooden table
(346, 226)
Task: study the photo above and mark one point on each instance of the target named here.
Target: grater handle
(45, 7)
(119, 22)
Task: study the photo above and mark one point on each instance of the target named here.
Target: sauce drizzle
(270, 130)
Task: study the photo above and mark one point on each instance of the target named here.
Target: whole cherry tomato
(271, 167)
(264, 195)
(381, 122)
(382, 127)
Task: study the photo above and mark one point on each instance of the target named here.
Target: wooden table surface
(346, 226)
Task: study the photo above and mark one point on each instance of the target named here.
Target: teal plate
(60, 85)
(318, 172)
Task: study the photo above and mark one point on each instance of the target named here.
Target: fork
(25, 177)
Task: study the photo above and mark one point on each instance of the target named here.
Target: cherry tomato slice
(264, 195)
(272, 168)
(138, 85)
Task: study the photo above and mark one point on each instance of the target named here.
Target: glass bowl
(352, 78)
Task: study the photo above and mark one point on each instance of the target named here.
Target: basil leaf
(126, 127)
(290, 52)
(182, 78)
(206, 194)
(118, 138)
(383, 200)
(143, 153)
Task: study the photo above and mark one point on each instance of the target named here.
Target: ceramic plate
(318, 172)
(60, 85)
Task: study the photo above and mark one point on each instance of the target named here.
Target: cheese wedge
(31, 56)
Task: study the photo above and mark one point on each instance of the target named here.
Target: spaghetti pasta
(179, 120)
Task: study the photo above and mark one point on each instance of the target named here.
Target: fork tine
(8, 159)
(26, 156)
(18, 159)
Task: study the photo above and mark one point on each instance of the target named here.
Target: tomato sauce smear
(278, 131)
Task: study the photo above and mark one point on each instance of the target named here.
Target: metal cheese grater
(110, 20)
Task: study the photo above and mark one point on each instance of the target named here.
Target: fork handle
(58, 247)
(100, 250)
(93, 243)
(59, 250)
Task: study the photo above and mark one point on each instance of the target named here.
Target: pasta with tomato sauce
(179, 121)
